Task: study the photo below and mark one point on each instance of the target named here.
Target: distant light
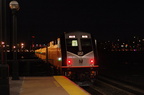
(135, 50)
(33, 45)
(72, 36)
(84, 36)
(33, 36)
(14, 46)
(36, 45)
(40, 45)
(3, 43)
(126, 45)
(139, 40)
(8, 50)
(22, 44)
(122, 45)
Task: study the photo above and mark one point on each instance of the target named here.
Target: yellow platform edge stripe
(69, 86)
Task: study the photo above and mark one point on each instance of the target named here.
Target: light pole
(0, 21)
(1, 33)
(14, 6)
(4, 77)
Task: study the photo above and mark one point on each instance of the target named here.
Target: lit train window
(74, 43)
(72, 36)
(84, 36)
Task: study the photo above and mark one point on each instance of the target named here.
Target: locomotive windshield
(86, 45)
(72, 45)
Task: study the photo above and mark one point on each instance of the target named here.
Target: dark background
(106, 20)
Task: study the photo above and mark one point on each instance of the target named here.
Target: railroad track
(106, 86)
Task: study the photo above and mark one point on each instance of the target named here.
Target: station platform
(51, 85)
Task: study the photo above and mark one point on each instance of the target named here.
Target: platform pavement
(15, 86)
(56, 85)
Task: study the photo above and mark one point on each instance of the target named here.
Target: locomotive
(74, 54)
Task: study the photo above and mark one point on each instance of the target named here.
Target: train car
(74, 55)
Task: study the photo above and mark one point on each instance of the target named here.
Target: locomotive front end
(81, 56)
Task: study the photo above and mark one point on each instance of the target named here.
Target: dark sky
(106, 20)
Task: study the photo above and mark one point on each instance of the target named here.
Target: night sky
(106, 20)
